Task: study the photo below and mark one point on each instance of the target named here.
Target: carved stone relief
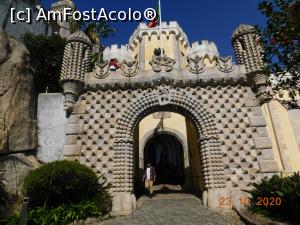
(161, 62)
(164, 94)
(129, 68)
(225, 64)
(196, 65)
(101, 69)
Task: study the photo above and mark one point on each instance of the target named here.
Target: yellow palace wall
(284, 130)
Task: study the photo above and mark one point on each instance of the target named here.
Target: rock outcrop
(17, 100)
(19, 28)
(15, 167)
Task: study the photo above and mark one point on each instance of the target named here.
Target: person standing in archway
(149, 178)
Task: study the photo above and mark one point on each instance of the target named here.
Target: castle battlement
(203, 48)
(119, 52)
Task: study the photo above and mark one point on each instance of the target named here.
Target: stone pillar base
(239, 197)
(212, 198)
(123, 203)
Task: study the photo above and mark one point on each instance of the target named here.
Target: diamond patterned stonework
(216, 95)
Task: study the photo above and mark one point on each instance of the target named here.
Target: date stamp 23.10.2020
(227, 201)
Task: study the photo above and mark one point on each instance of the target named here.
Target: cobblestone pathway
(170, 210)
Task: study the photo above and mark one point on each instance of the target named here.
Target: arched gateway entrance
(165, 152)
(164, 99)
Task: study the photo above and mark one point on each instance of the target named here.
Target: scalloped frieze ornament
(101, 69)
(129, 68)
(196, 65)
(225, 64)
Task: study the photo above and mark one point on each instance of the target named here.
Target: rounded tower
(249, 52)
(76, 63)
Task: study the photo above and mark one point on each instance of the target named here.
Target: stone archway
(164, 98)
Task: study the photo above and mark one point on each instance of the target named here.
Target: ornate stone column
(249, 52)
(76, 63)
(213, 171)
(124, 200)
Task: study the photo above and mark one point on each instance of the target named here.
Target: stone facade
(212, 92)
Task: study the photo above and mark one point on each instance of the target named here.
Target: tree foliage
(96, 31)
(281, 39)
(46, 55)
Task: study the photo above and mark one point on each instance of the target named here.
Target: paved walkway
(170, 209)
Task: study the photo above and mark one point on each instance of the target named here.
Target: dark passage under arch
(165, 153)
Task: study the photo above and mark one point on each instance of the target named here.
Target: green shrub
(64, 214)
(62, 182)
(103, 201)
(60, 215)
(63, 191)
(286, 188)
(13, 219)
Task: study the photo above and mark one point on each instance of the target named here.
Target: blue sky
(213, 20)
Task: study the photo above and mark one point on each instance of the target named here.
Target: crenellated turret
(249, 52)
(145, 40)
(76, 63)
